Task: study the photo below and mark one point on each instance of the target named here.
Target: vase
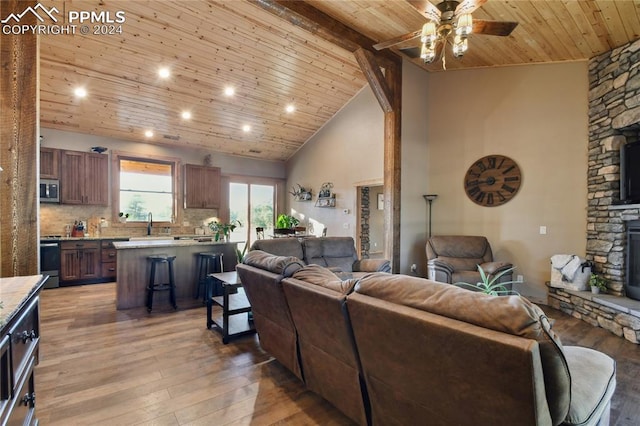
(595, 290)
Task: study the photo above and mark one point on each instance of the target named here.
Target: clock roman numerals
(492, 180)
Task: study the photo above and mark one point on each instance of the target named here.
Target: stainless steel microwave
(49, 191)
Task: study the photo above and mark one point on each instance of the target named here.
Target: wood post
(19, 131)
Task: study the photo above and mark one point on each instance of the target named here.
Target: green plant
(223, 230)
(240, 253)
(286, 221)
(599, 281)
(489, 283)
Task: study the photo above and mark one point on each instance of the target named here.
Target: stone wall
(365, 213)
(614, 119)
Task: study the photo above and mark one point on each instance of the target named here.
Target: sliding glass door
(253, 205)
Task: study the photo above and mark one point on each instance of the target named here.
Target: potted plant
(285, 224)
(123, 217)
(489, 284)
(222, 231)
(598, 283)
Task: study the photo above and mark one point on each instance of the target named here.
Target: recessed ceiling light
(80, 92)
(186, 115)
(164, 72)
(290, 108)
(229, 91)
(246, 128)
(149, 133)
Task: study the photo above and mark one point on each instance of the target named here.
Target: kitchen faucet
(149, 223)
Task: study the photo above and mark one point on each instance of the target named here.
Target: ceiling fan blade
(427, 9)
(412, 52)
(397, 40)
(496, 28)
(468, 6)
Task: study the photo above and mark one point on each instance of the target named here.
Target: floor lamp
(430, 198)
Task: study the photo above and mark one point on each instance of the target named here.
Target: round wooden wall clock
(492, 180)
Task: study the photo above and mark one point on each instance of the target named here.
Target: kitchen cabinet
(84, 178)
(80, 260)
(19, 349)
(49, 163)
(109, 260)
(202, 187)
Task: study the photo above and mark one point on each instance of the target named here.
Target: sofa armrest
(493, 268)
(438, 270)
(372, 265)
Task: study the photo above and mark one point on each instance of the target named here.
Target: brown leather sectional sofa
(398, 350)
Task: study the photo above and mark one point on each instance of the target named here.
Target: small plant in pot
(122, 216)
(285, 224)
(598, 283)
(222, 231)
(489, 284)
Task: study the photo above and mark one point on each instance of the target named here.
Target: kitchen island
(134, 268)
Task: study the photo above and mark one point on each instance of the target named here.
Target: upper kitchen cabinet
(49, 163)
(84, 178)
(202, 187)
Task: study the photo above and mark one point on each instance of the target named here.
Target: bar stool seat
(160, 259)
(207, 263)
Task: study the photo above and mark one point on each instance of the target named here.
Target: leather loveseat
(393, 349)
(336, 253)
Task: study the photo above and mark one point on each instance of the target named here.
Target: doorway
(370, 221)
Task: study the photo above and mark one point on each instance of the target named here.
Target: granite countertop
(125, 237)
(153, 243)
(14, 292)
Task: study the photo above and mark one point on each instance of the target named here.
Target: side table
(234, 320)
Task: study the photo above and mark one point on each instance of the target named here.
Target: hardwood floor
(102, 366)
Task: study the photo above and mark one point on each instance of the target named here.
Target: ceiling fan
(449, 21)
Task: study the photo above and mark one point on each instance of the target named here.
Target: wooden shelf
(327, 202)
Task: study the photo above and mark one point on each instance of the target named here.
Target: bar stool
(160, 259)
(206, 263)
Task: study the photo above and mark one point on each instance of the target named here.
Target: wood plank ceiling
(209, 45)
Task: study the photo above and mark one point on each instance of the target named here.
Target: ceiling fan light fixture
(460, 45)
(428, 53)
(465, 25)
(429, 34)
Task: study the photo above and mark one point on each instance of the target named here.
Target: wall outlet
(543, 230)
(345, 225)
(520, 279)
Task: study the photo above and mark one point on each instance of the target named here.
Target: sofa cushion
(281, 265)
(593, 380)
(337, 252)
(323, 277)
(280, 247)
(508, 314)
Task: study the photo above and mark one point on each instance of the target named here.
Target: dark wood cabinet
(80, 260)
(202, 187)
(49, 163)
(109, 260)
(19, 351)
(84, 178)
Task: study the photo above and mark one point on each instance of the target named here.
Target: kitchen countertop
(126, 237)
(14, 292)
(153, 243)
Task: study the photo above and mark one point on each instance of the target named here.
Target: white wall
(538, 116)
(348, 150)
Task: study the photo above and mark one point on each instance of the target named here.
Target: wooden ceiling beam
(376, 80)
(305, 16)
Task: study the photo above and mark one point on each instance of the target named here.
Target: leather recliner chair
(455, 258)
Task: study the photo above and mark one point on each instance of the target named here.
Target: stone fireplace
(614, 119)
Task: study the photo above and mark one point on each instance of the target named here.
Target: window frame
(175, 163)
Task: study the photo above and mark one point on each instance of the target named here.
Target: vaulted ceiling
(271, 63)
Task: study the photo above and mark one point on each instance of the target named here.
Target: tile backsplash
(55, 217)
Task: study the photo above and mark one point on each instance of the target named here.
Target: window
(146, 186)
(253, 205)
